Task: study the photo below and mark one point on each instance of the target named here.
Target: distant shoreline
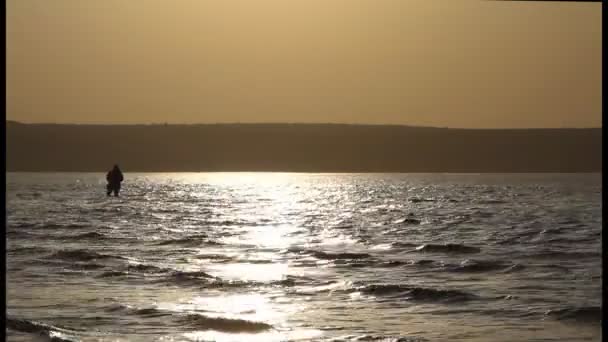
(300, 148)
(13, 122)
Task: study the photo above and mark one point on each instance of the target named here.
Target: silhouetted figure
(114, 177)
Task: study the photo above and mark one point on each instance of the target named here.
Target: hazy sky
(454, 63)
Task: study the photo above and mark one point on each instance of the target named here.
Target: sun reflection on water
(272, 336)
(258, 257)
(249, 307)
(251, 272)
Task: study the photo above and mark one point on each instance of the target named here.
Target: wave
(194, 320)
(18, 224)
(19, 234)
(191, 275)
(417, 293)
(26, 249)
(77, 266)
(77, 237)
(113, 274)
(63, 226)
(569, 221)
(192, 278)
(418, 200)
(343, 226)
(336, 256)
(196, 236)
(145, 268)
(350, 263)
(514, 268)
(170, 278)
(28, 195)
(230, 325)
(466, 266)
(144, 312)
(492, 201)
(397, 263)
(87, 267)
(228, 223)
(27, 326)
(254, 261)
(393, 263)
(81, 255)
(91, 235)
(215, 258)
(474, 266)
(553, 231)
(375, 338)
(329, 255)
(402, 245)
(135, 269)
(53, 333)
(211, 282)
(588, 314)
(84, 236)
(408, 220)
(289, 281)
(193, 241)
(447, 248)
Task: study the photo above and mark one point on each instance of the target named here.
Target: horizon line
(292, 123)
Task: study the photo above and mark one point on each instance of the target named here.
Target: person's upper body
(114, 176)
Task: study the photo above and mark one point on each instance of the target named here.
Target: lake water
(304, 257)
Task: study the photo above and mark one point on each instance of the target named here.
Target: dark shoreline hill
(299, 148)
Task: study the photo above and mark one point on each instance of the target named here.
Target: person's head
(116, 167)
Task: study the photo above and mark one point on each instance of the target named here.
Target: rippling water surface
(305, 257)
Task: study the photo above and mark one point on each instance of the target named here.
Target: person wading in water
(114, 177)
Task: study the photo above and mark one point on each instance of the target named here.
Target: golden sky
(445, 63)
